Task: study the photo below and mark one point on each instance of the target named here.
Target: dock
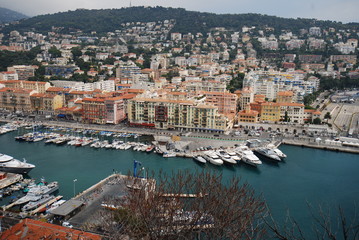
(182, 195)
(9, 179)
(33, 212)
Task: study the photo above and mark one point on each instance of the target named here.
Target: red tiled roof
(32, 229)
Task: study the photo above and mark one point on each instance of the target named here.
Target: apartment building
(40, 87)
(94, 110)
(285, 97)
(9, 76)
(163, 113)
(45, 103)
(16, 99)
(248, 115)
(275, 112)
(225, 102)
(24, 72)
(126, 71)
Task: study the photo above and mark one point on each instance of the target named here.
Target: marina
(306, 174)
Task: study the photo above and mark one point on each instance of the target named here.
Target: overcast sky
(338, 10)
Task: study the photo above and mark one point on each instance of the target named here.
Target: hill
(7, 15)
(106, 20)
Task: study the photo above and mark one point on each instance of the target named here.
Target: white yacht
(199, 159)
(225, 157)
(277, 151)
(10, 164)
(213, 158)
(248, 156)
(233, 155)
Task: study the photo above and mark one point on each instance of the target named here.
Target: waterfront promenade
(196, 140)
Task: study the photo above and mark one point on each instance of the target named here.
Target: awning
(61, 115)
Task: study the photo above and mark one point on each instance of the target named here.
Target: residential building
(225, 102)
(24, 72)
(270, 112)
(40, 87)
(94, 110)
(16, 99)
(45, 103)
(248, 115)
(9, 76)
(126, 71)
(285, 97)
(164, 113)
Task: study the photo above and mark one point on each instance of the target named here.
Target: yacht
(10, 164)
(277, 151)
(267, 153)
(248, 156)
(225, 157)
(213, 158)
(233, 155)
(199, 159)
(34, 204)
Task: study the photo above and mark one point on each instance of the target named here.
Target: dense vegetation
(106, 20)
(8, 58)
(7, 15)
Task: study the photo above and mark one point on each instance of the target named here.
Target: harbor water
(307, 175)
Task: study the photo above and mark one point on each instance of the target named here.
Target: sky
(336, 10)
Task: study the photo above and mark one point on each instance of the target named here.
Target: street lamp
(75, 180)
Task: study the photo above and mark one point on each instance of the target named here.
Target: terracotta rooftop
(285, 93)
(32, 229)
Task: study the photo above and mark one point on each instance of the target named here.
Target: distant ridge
(7, 15)
(107, 20)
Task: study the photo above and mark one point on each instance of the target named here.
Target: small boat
(169, 154)
(150, 148)
(158, 150)
(267, 153)
(277, 151)
(199, 159)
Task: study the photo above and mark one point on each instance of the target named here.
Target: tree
(55, 53)
(286, 118)
(324, 226)
(327, 116)
(317, 121)
(219, 211)
(76, 52)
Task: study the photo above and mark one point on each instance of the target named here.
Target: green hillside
(106, 20)
(7, 15)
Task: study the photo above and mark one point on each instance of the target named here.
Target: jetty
(33, 212)
(7, 179)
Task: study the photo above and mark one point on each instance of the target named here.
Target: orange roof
(93, 100)
(78, 92)
(57, 89)
(162, 100)
(38, 95)
(248, 113)
(33, 229)
(285, 93)
(292, 104)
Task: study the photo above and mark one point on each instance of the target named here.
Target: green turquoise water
(317, 176)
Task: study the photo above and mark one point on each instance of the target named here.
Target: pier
(45, 205)
(8, 179)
